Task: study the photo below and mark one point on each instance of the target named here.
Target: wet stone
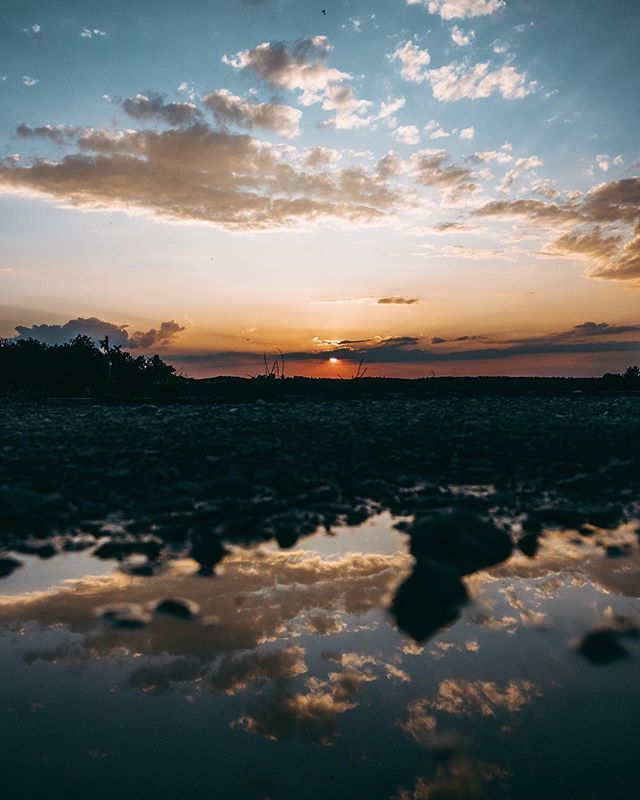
(460, 539)
(124, 615)
(528, 544)
(429, 599)
(8, 564)
(207, 552)
(39, 549)
(618, 551)
(179, 607)
(120, 549)
(602, 647)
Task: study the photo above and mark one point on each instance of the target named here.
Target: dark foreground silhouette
(32, 370)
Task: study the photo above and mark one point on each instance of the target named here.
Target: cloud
(152, 106)
(435, 168)
(413, 60)
(602, 226)
(466, 698)
(302, 65)
(235, 672)
(200, 174)
(459, 37)
(604, 161)
(297, 65)
(486, 156)
(437, 132)
(440, 340)
(461, 9)
(521, 165)
(458, 81)
(389, 108)
(91, 33)
(321, 157)
(228, 109)
(97, 329)
(311, 716)
(406, 134)
(398, 301)
(163, 335)
(29, 81)
(60, 134)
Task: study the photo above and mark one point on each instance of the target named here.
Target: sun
(333, 360)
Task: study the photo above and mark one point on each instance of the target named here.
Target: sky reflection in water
(294, 681)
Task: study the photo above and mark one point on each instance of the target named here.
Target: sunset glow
(431, 186)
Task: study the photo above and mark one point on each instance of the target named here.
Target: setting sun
(333, 360)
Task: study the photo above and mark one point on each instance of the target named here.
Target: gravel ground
(259, 470)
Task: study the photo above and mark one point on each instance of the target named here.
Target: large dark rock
(207, 551)
(460, 539)
(429, 599)
(178, 607)
(122, 548)
(8, 564)
(124, 615)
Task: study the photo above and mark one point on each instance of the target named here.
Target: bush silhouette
(79, 368)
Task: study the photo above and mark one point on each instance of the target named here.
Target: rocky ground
(161, 478)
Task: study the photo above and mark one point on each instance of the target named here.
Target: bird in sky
(324, 12)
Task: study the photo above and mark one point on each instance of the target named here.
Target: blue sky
(264, 175)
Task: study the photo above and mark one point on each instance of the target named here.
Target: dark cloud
(439, 340)
(585, 338)
(152, 106)
(228, 109)
(97, 329)
(602, 329)
(60, 134)
(397, 301)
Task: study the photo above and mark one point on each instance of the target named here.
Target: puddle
(291, 677)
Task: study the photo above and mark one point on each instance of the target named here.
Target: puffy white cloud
(406, 134)
(521, 165)
(90, 33)
(459, 37)
(486, 156)
(298, 65)
(458, 81)
(28, 81)
(437, 132)
(230, 109)
(604, 161)
(302, 66)
(389, 109)
(460, 9)
(413, 60)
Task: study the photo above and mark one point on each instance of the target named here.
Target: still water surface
(292, 679)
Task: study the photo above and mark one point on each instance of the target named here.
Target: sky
(444, 187)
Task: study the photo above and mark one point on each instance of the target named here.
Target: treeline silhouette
(30, 369)
(80, 368)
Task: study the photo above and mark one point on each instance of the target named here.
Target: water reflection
(317, 670)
